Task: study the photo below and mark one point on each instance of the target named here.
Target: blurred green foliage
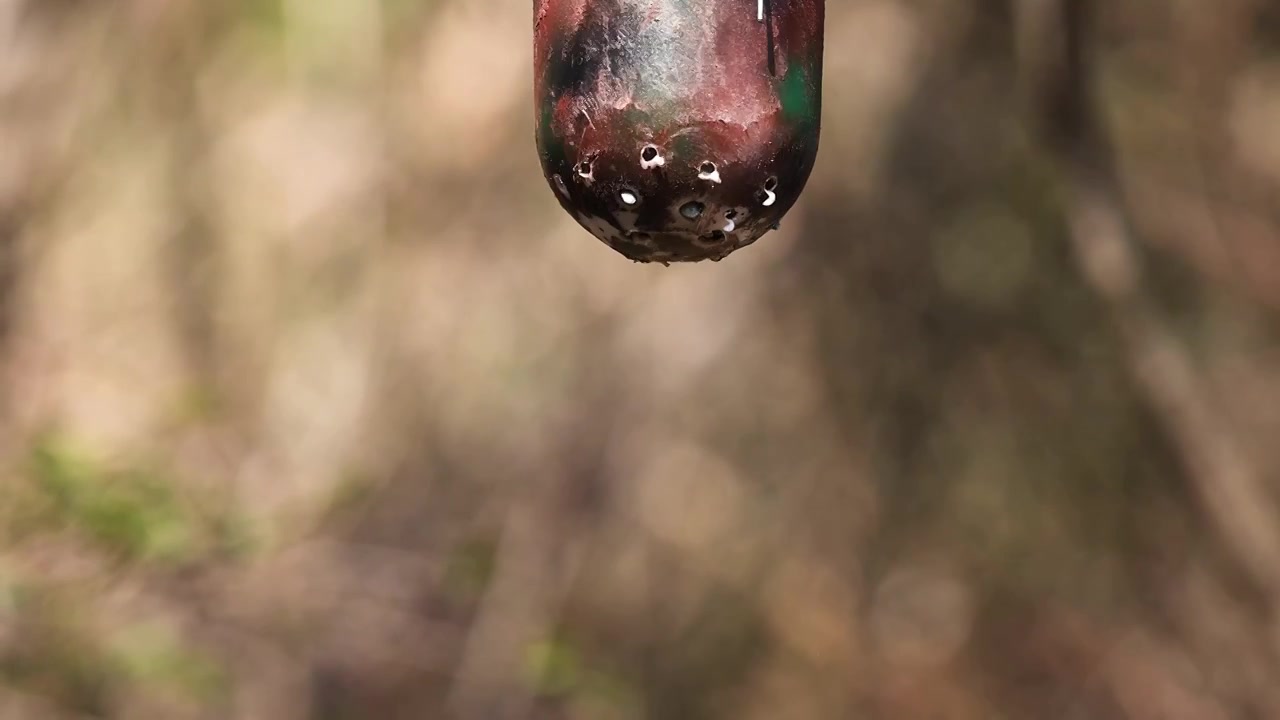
(132, 513)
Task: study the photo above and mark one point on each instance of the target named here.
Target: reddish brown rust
(678, 130)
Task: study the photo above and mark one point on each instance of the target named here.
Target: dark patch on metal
(769, 48)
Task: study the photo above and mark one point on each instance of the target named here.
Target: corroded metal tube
(678, 130)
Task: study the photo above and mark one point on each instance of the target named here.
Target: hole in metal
(767, 197)
(651, 157)
(708, 171)
(692, 209)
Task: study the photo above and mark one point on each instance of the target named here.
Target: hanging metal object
(678, 130)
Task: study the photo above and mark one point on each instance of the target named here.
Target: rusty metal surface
(678, 130)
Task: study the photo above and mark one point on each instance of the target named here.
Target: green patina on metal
(684, 146)
(549, 143)
(796, 94)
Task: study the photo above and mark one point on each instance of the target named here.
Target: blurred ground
(313, 404)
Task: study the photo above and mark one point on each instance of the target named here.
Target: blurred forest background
(313, 403)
